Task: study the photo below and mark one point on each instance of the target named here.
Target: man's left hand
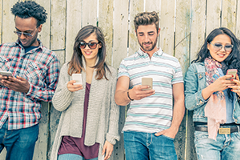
(17, 84)
(170, 132)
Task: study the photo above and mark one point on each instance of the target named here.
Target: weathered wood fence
(184, 25)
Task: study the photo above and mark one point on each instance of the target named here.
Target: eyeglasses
(91, 45)
(24, 33)
(218, 47)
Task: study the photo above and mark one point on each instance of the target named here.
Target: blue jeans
(226, 146)
(72, 157)
(145, 146)
(19, 143)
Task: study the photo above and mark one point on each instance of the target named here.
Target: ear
(40, 28)
(100, 45)
(208, 46)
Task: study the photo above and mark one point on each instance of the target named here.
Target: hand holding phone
(6, 73)
(232, 72)
(147, 82)
(77, 78)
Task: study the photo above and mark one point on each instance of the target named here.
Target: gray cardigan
(102, 115)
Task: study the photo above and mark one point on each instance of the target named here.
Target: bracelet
(129, 96)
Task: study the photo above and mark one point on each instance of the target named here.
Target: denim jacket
(194, 83)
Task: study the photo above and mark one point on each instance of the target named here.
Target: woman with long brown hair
(88, 127)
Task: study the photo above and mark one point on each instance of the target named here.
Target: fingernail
(231, 79)
(232, 76)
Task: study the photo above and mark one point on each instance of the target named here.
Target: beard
(151, 47)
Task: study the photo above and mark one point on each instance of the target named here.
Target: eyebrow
(22, 31)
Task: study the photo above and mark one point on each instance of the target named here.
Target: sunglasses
(218, 47)
(91, 45)
(24, 33)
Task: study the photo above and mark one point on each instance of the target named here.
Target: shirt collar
(40, 44)
(158, 52)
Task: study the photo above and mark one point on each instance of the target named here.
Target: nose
(146, 38)
(22, 36)
(222, 49)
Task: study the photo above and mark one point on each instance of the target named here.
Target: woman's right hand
(220, 84)
(71, 87)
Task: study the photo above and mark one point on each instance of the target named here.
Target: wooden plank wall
(184, 25)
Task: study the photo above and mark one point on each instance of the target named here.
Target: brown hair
(76, 65)
(146, 18)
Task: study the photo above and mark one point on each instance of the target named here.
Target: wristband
(129, 96)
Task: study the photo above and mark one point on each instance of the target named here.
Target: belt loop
(238, 127)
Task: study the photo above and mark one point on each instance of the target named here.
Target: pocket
(5, 63)
(172, 139)
(33, 72)
(237, 135)
(198, 135)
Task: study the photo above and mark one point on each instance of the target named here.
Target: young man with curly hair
(35, 71)
(152, 119)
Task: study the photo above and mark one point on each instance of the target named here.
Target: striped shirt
(154, 113)
(40, 67)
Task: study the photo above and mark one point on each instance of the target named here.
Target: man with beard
(35, 71)
(154, 115)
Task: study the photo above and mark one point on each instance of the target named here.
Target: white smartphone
(146, 81)
(77, 78)
(232, 72)
(6, 73)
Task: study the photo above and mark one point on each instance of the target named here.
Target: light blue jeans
(147, 146)
(226, 146)
(72, 157)
(19, 143)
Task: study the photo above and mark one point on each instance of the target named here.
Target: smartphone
(147, 82)
(6, 73)
(232, 72)
(77, 78)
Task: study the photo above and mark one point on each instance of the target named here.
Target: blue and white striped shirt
(154, 113)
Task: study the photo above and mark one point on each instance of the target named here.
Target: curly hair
(28, 9)
(146, 18)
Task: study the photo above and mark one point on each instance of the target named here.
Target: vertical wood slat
(44, 35)
(89, 12)
(58, 24)
(1, 22)
(40, 150)
(229, 14)
(9, 25)
(238, 20)
(120, 33)
(105, 22)
(198, 29)
(213, 15)
(73, 25)
(154, 5)
(182, 41)
(167, 26)
(136, 6)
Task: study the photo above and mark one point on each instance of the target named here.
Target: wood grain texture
(44, 35)
(1, 22)
(89, 12)
(182, 52)
(238, 21)
(136, 6)
(229, 14)
(58, 24)
(74, 14)
(120, 32)
(8, 25)
(167, 25)
(213, 15)
(105, 22)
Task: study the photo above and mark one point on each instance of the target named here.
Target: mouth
(88, 53)
(221, 55)
(147, 44)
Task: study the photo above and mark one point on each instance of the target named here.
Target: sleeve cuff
(112, 138)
